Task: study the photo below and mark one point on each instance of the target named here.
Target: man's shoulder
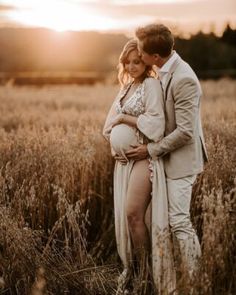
(184, 72)
(183, 67)
(184, 77)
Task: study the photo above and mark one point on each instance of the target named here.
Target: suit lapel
(167, 85)
(170, 76)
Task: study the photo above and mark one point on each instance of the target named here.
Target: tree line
(43, 50)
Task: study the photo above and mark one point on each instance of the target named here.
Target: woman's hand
(121, 159)
(118, 120)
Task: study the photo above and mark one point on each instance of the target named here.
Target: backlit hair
(156, 38)
(123, 76)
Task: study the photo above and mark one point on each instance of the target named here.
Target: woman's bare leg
(138, 199)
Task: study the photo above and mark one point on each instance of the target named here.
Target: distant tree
(207, 53)
(45, 50)
(229, 36)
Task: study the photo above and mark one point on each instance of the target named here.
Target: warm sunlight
(62, 16)
(125, 2)
(188, 16)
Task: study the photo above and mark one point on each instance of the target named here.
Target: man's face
(148, 59)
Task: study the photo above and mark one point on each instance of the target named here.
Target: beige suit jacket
(183, 147)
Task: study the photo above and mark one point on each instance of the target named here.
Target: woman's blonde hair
(123, 76)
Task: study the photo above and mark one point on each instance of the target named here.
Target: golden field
(56, 207)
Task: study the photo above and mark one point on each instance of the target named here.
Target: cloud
(127, 14)
(181, 10)
(4, 8)
(188, 16)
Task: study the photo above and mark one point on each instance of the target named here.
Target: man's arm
(186, 100)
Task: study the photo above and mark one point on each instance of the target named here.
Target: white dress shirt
(164, 70)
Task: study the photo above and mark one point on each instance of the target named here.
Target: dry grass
(56, 209)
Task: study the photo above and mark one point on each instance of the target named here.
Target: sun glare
(62, 17)
(117, 15)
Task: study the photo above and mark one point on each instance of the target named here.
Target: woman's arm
(125, 119)
(152, 122)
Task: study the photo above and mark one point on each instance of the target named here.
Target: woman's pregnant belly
(122, 137)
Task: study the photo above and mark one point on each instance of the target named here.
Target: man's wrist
(151, 152)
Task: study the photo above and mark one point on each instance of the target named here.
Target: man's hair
(156, 38)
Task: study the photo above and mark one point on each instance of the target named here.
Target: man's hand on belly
(138, 153)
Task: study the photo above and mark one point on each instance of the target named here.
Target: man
(182, 147)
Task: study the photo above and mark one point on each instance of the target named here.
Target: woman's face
(134, 65)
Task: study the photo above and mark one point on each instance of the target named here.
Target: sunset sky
(119, 15)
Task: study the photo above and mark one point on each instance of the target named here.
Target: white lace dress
(146, 104)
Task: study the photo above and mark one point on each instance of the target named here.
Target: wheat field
(56, 206)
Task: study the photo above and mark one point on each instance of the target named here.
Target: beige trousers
(179, 198)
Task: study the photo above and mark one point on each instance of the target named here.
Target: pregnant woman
(140, 198)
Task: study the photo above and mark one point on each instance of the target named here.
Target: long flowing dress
(147, 104)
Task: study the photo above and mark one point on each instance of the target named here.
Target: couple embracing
(155, 133)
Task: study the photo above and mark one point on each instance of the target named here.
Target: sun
(62, 16)
(57, 16)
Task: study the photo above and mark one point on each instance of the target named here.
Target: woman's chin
(134, 76)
